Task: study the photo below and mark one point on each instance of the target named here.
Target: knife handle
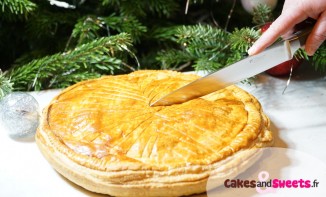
(302, 31)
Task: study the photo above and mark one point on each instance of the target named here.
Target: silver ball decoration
(19, 114)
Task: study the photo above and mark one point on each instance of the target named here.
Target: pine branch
(209, 48)
(319, 59)
(206, 46)
(12, 10)
(140, 8)
(234, 57)
(203, 41)
(165, 33)
(128, 24)
(47, 24)
(301, 54)
(171, 59)
(67, 79)
(86, 29)
(102, 56)
(242, 39)
(162, 7)
(126, 8)
(262, 14)
(204, 64)
(5, 85)
(92, 27)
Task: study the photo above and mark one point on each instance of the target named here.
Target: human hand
(293, 13)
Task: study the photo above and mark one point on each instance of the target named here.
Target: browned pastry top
(107, 123)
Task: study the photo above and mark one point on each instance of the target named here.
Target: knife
(277, 53)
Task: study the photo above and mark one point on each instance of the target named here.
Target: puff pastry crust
(102, 135)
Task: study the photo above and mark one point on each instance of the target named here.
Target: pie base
(125, 173)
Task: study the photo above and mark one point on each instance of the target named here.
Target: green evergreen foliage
(5, 85)
(208, 48)
(319, 59)
(90, 27)
(262, 14)
(16, 9)
(44, 24)
(242, 39)
(44, 46)
(205, 45)
(101, 56)
(141, 8)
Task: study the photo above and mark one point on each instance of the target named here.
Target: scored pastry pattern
(110, 119)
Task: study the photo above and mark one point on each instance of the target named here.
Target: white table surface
(298, 120)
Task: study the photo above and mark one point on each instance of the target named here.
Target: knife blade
(278, 53)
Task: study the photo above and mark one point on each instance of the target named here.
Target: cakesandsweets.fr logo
(266, 185)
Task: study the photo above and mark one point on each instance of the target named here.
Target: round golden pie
(103, 135)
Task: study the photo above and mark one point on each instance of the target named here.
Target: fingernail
(251, 51)
(310, 51)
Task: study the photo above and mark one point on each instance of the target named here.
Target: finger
(317, 35)
(280, 26)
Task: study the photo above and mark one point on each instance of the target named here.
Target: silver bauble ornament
(19, 114)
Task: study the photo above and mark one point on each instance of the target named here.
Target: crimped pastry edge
(90, 179)
(174, 183)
